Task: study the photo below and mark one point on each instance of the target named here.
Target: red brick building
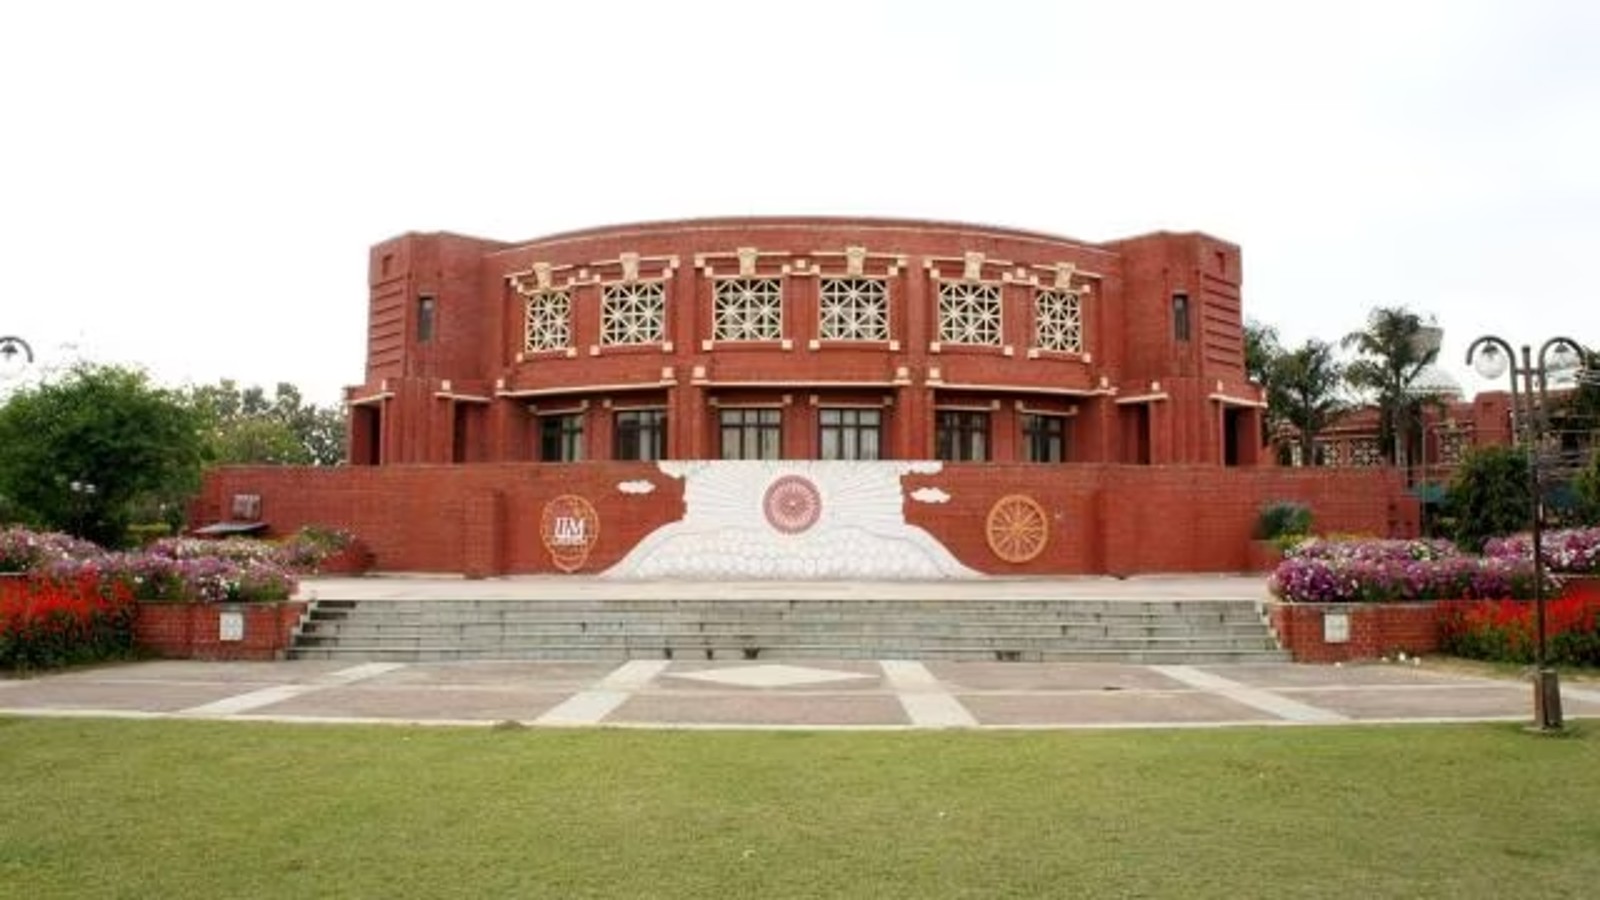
(1088, 400)
(805, 339)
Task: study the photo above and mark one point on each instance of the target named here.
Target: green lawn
(191, 809)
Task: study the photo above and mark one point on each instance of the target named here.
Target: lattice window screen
(969, 313)
(1365, 452)
(1058, 321)
(749, 309)
(854, 309)
(548, 321)
(633, 313)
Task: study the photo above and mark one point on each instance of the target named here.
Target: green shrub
(1489, 496)
(1283, 519)
(1586, 487)
(144, 534)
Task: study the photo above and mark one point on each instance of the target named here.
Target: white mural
(791, 520)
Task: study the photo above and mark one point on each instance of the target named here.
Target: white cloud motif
(930, 495)
(640, 486)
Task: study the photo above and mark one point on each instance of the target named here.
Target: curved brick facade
(957, 341)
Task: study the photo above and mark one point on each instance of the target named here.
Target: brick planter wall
(193, 630)
(1376, 630)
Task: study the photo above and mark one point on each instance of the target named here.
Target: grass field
(191, 809)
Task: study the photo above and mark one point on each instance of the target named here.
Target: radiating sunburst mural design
(792, 504)
(1017, 528)
(792, 520)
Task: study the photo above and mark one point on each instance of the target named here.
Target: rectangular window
(425, 314)
(641, 434)
(962, 435)
(561, 438)
(1045, 438)
(1180, 317)
(752, 433)
(850, 433)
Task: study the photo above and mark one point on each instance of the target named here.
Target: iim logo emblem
(569, 528)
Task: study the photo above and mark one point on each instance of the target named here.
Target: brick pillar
(913, 431)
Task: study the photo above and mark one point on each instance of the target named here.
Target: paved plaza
(887, 694)
(807, 694)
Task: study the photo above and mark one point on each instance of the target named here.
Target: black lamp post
(1527, 408)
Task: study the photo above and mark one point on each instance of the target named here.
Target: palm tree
(1393, 350)
(1261, 350)
(1304, 392)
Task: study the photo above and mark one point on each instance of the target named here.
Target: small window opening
(425, 314)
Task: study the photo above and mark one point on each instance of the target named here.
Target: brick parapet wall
(484, 519)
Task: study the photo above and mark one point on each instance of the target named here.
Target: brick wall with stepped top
(1020, 630)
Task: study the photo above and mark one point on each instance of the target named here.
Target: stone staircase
(1006, 630)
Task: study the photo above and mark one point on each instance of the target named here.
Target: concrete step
(975, 635)
(1186, 656)
(799, 628)
(930, 625)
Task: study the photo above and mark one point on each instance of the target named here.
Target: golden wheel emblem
(1017, 528)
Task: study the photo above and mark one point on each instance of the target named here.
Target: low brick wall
(194, 630)
(1374, 630)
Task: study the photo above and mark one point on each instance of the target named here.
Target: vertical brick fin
(1221, 328)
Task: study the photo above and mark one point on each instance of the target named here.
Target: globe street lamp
(15, 355)
(82, 499)
(1557, 355)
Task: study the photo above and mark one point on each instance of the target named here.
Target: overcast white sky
(193, 186)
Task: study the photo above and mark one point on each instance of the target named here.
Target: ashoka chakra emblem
(1017, 528)
(792, 504)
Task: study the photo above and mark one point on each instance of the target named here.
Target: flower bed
(1380, 571)
(180, 597)
(1507, 630)
(47, 622)
(1342, 600)
(1572, 551)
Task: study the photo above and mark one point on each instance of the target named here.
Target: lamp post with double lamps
(1494, 357)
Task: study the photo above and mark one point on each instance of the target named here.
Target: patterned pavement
(856, 694)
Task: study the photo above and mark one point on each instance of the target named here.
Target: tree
(242, 426)
(81, 453)
(1393, 351)
(1304, 392)
(1261, 349)
(1490, 496)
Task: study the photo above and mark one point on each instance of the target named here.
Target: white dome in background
(1434, 381)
